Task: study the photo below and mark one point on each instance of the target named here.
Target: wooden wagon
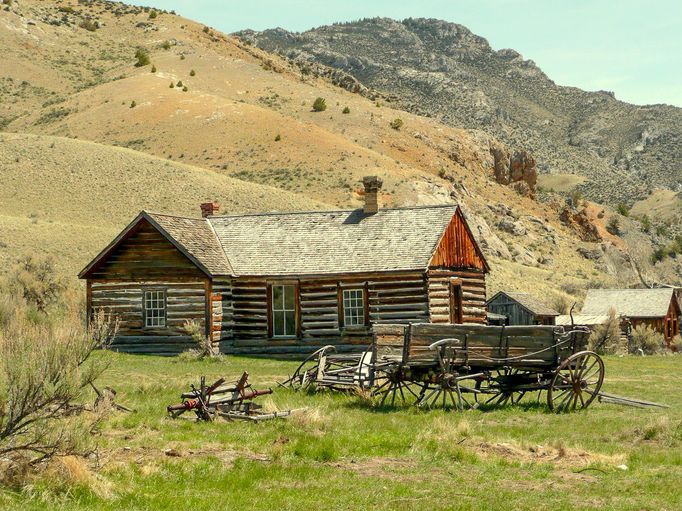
(464, 366)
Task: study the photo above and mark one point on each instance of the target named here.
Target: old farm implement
(229, 400)
(464, 366)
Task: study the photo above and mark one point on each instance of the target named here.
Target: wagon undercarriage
(463, 366)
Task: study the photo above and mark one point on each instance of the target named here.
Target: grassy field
(343, 453)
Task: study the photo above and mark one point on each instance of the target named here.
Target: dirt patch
(561, 456)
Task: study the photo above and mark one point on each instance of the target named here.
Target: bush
(278, 137)
(204, 346)
(657, 255)
(576, 198)
(185, 89)
(153, 69)
(676, 343)
(152, 15)
(345, 110)
(646, 224)
(88, 25)
(562, 304)
(606, 338)
(182, 57)
(206, 30)
(172, 85)
(613, 226)
(396, 124)
(320, 105)
(142, 57)
(166, 45)
(44, 372)
(179, 84)
(645, 340)
(192, 72)
(36, 281)
(623, 209)
(133, 104)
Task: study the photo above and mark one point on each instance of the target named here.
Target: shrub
(396, 124)
(88, 25)
(153, 69)
(645, 340)
(204, 347)
(562, 304)
(44, 372)
(606, 338)
(646, 223)
(185, 89)
(182, 57)
(179, 84)
(206, 30)
(142, 57)
(345, 110)
(675, 344)
(278, 137)
(576, 198)
(192, 72)
(133, 104)
(152, 15)
(319, 105)
(36, 281)
(623, 209)
(166, 45)
(172, 85)
(613, 226)
(657, 255)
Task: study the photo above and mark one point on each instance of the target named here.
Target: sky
(630, 47)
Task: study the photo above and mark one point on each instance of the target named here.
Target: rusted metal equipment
(464, 366)
(229, 400)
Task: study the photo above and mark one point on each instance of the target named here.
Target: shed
(521, 309)
(287, 283)
(657, 308)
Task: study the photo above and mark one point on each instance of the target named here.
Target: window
(353, 307)
(154, 308)
(283, 310)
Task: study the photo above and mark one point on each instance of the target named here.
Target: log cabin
(283, 284)
(657, 308)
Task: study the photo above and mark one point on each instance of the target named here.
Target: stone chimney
(210, 209)
(372, 187)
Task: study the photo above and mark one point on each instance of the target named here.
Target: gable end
(457, 247)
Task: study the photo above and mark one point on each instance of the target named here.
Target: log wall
(394, 298)
(185, 300)
(472, 292)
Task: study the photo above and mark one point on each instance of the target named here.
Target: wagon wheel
(394, 385)
(445, 393)
(506, 395)
(306, 373)
(576, 382)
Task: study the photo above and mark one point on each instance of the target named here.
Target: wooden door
(455, 302)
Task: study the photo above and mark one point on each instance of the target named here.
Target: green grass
(345, 454)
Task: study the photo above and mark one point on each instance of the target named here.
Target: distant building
(519, 309)
(657, 308)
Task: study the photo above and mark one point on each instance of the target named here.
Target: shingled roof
(324, 242)
(530, 303)
(309, 243)
(632, 303)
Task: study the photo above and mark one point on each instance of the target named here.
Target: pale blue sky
(631, 47)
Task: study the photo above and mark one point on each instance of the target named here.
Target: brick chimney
(372, 186)
(210, 209)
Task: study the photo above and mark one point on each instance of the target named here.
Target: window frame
(271, 310)
(164, 309)
(342, 306)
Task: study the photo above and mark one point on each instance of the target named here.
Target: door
(455, 302)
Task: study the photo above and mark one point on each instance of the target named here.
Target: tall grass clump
(644, 340)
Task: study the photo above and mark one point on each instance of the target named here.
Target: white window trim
(157, 321)
(284, 310)
(355, 307)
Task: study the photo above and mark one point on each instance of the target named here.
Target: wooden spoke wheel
(499, 387)
(576, 382)
(445, 393)
(393, 386)
(306, 373)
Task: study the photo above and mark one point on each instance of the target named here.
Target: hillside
(445, 71)
(243, 132)
(68, 198)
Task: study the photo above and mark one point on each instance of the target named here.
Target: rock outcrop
(517, 169)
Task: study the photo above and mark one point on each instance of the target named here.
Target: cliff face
(443, 70)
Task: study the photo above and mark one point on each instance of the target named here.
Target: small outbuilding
(520, 309)
(656, 308)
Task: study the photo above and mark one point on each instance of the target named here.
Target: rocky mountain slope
(237, 125)
(445, 71)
